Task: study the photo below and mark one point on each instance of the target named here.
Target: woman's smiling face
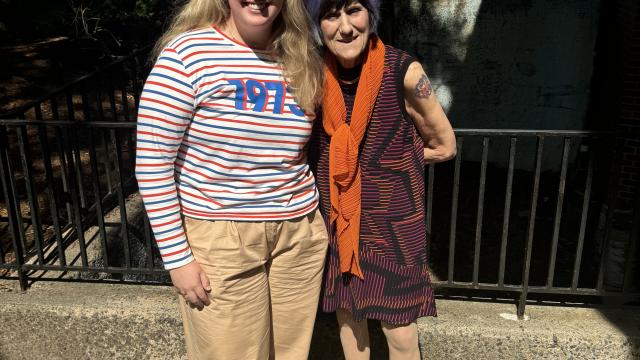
(345, 32)
(257, 14)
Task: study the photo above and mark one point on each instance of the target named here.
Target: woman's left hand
(427, 114)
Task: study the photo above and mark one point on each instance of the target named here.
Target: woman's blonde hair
(292, 42)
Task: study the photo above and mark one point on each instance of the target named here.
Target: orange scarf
(344, 170)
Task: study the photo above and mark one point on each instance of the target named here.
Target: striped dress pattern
(219, 137)
(396, 287)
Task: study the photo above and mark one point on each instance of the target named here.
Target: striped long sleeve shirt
(219, 137)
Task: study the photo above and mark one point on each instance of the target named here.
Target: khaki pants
(265, 279)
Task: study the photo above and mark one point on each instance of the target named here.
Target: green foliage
(145, 8)
(31, 19)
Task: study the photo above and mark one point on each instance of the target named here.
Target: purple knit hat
(314, 6)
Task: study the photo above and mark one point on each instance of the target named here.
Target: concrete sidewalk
(59, 320)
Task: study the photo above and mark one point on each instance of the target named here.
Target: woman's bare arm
(427, 114)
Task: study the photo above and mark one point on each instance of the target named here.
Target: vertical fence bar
(115, 116)
(507, 210)
(147, 239)
(2, 252)
(77, 162)
(99, 107)
(62, 197)
(71, 112)
(39, 231)
(115, 142)
(631, 248)
(13, 207)
(16, 193)
(558, 216)
(131, 141)
(34, 209)
(583, 221)
(107, 161)
(112, 101)
(55, 111)
(86, 106)
(454, 210)
(64, 170)
(87, 117)
(51, 193)
(38, 111)
(123, 92)
(480, 212)
(531, 227)
(611, 204)
(98, 197)
(75, 199)
(134, 80)
(429, 210)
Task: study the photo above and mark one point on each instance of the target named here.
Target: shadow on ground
(325, 344)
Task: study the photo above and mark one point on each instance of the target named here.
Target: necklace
(349, 76)
(349, 82)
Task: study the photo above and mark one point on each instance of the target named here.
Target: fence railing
(518, 211)
(53, 173)
(65, 190)
(525, 212)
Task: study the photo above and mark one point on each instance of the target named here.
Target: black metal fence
(66, 162)
(524, 212)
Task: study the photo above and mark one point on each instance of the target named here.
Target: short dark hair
(319, 8)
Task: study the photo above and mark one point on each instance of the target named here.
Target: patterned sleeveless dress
(396, 286)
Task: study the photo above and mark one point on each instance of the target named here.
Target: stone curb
(62, 320)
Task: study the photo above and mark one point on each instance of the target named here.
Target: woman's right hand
(192, 283)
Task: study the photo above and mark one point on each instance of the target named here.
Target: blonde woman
(222, 126)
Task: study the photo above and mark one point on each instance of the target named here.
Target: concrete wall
(620, 104)
(502, 63)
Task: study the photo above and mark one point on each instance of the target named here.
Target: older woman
(380, 123)
(222, 127)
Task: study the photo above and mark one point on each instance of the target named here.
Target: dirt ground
(29, 71)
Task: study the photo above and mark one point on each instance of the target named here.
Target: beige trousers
(265, 279)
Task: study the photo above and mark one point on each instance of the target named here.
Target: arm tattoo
(424, 89)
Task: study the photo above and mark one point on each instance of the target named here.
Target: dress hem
(362, 315)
